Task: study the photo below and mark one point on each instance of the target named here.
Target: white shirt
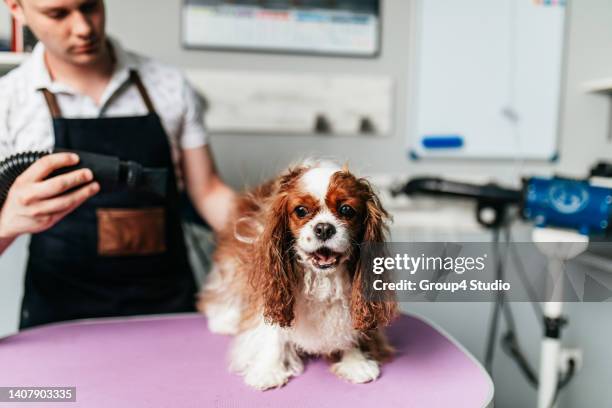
(26, 124)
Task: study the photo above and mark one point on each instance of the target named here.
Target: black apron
(81, 267)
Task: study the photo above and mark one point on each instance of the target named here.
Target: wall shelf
(603, 85)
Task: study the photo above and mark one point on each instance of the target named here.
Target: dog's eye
(301, 211)
(346, 211)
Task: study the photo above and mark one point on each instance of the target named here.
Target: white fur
(267, 356)
(316, 181)
(223, 319)
(323, 322)
(224, 315)
(307, 241)
(355, 367)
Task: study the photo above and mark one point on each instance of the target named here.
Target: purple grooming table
(173, 361)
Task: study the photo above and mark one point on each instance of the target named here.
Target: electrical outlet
(568, 354)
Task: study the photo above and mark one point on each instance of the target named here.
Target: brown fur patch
(370, 222)
(375, 345)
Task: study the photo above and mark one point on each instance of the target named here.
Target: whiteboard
(489, 79)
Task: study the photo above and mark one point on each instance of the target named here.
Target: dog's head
(320, 217)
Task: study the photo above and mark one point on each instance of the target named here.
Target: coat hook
(366, 125)
(322, 124)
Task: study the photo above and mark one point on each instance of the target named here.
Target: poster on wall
(328, 27)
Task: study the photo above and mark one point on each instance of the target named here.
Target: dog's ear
(275, 277)
(371, 309)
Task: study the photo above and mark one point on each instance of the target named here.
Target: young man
(95, 253)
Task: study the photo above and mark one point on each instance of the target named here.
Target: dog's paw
(356, 368)
(265, 379)
(293, 363)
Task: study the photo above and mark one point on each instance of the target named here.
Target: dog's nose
(324, 230)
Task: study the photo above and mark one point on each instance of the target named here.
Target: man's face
(72, 30)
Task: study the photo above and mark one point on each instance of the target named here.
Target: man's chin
(85, 59)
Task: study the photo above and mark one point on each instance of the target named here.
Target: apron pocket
(138, 231)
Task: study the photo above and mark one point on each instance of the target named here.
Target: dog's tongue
(325, 256)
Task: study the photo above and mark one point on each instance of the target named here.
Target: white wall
(5, 23)
(248, 158)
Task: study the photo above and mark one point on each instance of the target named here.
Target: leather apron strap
(52, 103)
(135, 79)
(56, 112)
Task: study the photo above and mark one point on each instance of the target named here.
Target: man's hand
(34, 204)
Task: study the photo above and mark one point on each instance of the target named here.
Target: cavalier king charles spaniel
(290, 278)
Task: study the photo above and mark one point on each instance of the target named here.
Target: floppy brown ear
(275, 276)
(371, 309)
